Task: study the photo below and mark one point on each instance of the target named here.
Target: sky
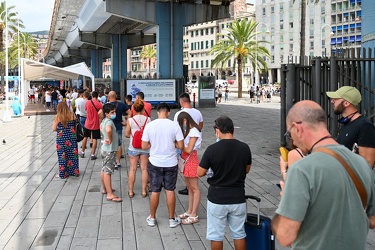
(35, 14)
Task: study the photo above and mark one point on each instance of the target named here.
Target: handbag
(79, 129)
(181, 163)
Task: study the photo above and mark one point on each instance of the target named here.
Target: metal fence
(353, 67)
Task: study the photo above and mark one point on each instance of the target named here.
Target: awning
(358, 24)
(339, 27)
(359, 13)
(352, 25)
(333, 41)
(358, 38)
(333, 28)
(346, 26)
(351, 39)
(352, 1)
(346, 38)
(339, 40)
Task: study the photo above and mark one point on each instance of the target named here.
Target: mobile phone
(278, 184)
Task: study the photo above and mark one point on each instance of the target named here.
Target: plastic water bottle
(209, 173)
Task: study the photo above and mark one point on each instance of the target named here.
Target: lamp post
(256, 52)
(321, 36)
(7, 117)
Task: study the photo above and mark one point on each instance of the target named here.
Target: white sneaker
(174, 222)
(151, 221)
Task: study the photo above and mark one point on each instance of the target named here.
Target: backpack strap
(138, 124)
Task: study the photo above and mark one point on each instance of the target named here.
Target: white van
(221, 83)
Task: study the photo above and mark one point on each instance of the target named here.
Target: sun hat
(350, 94)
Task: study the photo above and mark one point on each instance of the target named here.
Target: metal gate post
(316, 89)
(333, 85)
(283, 111)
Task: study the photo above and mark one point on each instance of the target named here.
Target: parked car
(221, 83)
(192, 84)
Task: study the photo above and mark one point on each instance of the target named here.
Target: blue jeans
(54, 104)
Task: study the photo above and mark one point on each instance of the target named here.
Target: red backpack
(137, 137)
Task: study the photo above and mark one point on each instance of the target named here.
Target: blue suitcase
(259, 235)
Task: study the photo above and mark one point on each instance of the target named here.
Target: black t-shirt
(121, 109)
(360, 131)
(54, 95)
(228, 159)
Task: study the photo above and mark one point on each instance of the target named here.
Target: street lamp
(256, 55)
(321, 35)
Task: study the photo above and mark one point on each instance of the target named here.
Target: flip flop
(115, 199)
(106, 192)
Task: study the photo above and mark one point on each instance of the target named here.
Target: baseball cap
(350, 94)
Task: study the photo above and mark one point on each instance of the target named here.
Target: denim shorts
(166, 176)
(119, 135)
(219, 215)
(137, 153)
(82, 121)
(109, 161)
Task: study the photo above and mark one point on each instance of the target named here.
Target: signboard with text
(206, 93)
(156, 91)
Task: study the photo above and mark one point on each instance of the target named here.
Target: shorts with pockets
(166, 176)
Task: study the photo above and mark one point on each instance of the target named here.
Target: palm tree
(240, 42)
(28, 46)
(148, 52)
(303, 27)
(12, 22)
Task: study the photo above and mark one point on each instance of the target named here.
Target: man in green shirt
(320, 206)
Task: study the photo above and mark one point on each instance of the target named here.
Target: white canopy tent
(33, 70)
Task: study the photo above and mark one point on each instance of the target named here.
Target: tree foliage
(240, 42)
(148, 52)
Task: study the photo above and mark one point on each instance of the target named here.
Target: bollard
(194, 94)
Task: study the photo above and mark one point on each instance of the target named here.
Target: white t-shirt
(194, 113)
(75, 95)
(48, 96)
(162, 135)
(80, 107)
(194, 132)
(134, 127)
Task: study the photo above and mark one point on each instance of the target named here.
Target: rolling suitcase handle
(258, 205)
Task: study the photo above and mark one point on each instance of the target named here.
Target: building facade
(330, 27)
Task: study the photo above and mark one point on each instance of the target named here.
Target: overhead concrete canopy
(79, 26)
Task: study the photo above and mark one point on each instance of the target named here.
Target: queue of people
(313, 181)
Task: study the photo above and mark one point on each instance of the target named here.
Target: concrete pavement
(38, 211)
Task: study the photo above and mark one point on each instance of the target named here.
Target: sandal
(190, 220)
(184, 216)
(115, 199)
(131, 195)
(144, 195)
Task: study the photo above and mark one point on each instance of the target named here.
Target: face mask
(113, 117)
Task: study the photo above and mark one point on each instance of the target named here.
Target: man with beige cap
(356, 129)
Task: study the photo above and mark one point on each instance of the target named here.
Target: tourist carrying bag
(181, 163)
(137, 137)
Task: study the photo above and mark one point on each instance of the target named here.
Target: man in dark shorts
(357, 132)
(162, 168)
(92, 125)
